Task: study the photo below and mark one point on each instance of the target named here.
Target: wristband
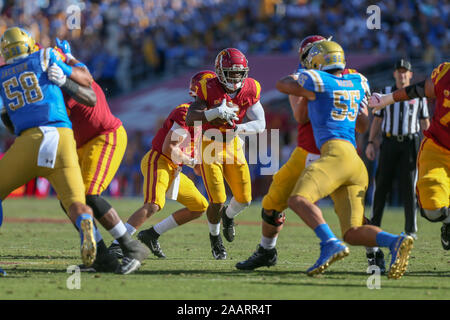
(211, 114)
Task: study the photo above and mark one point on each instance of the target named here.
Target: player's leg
(67, 181)
(388, 163)
(273, 205)
(433, 186)
(195, 205)
(407, 185)
(239, 180)
(317, 181)
(349, 206)
(212, 175)
(158, 174)
(237, 175)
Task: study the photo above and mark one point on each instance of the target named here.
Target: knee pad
(99, 205)
(435, 215)
(276, 219)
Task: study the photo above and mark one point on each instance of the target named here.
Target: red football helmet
(231, 68)
(307, 44)
(206, 74)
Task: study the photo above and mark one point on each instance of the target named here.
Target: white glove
(56, 75)
(379, 101)
(223, 112)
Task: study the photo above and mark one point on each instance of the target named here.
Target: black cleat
(103, 263)
(377, 259)
(134, 252)
(128, 265)
(260, 258)
(116, 250)
(218, 250)
(228, 226)
(445, 236)
(151, 242)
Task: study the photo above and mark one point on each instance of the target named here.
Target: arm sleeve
(257, 122)
(311, 80)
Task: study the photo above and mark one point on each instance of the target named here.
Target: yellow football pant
(433, 184)
(284, 181)
(159, 172)
(340, 173)
(19, 165)
(225, 160)
(100, 159)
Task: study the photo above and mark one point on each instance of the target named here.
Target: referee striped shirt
(402, 118)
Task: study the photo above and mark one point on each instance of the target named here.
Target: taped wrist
(99, 206)
(276, 219)
(416, 90)
(71, 87)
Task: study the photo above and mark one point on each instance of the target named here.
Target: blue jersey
(29, 97)
(334, 111)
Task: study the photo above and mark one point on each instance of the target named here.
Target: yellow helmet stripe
(204, 91)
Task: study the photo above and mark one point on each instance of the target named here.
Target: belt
(400, 138)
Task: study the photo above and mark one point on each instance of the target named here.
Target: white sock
(165, 225)
(130, 229)
(214, 229)
(234, 208)
(268, 243)
(118, 230)
(371, 249)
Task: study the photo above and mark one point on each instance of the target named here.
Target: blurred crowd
(127, 42)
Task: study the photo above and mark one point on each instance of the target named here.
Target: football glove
(65, 47)
(56, 75)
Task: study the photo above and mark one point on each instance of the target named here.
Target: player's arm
(171, 146)
(257, 118)
(7, 121)
(82, 94)
(64, 46)
(372, 144)
(198, 112)
(289, 85)
(299, 106)
(421, 89)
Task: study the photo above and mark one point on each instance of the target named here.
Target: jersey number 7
(30, 90)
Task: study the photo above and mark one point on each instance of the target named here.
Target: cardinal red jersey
(439, 129)
(213, 93)
(89, 122)
(305, 137)
(178, 115)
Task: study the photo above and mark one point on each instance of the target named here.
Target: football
(218, 122)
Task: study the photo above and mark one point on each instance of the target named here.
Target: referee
(400, 124)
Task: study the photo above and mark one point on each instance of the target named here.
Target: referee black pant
(397, 156)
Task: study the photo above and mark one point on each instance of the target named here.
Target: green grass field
(36, 255)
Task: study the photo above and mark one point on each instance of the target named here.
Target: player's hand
(63, 45)
(370, 152)
(378, 101)
(65, 48)
(56, 75)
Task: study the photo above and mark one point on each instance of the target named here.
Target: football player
(101, 142)
(433, 163)
(34, 109)
(333, 105)
(231, 91)
(172, 147)
(283, 182)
